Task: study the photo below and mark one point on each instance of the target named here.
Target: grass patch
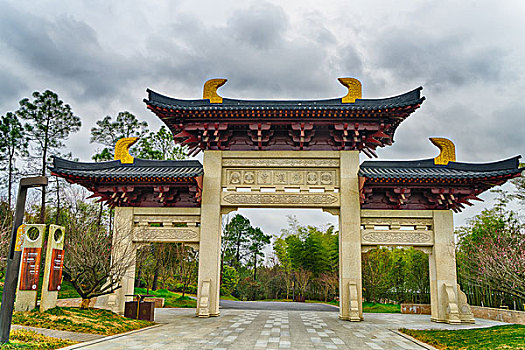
(381, 308)
(67, 291)
(229, 297)
(26, 339)
(171, 299)
(498, 337)
(95, 321)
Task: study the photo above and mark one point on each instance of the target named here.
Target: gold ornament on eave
(122, 149)
(209, 91)
(447, 148)
(354, 89)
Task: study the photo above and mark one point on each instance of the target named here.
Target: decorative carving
(296, 177)
(465, 312)
(451, 306)
(300, 163)
(158, 234)
(235, 177)
(279, 178)
(396, 237)
(354, 89)
(122, 149)
(354, 302)
(249, 177)
(281, 198)
(210, 90)
(447, 148)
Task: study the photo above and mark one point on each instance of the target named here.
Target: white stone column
(442, 265)
(210, 237)
(124, 250)
(350, 284)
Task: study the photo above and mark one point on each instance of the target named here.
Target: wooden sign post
(30, 267)
(53, 267)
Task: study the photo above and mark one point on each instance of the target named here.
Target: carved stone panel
(167, 234)
(281, 177)
(281, 199)
(396, 237)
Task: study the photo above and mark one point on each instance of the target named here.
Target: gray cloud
(100, 57)
(64, 49)
(10, 87)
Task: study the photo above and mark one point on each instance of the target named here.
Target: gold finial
(354, 89)
(210, 90)
(122, 149)
(447, 148)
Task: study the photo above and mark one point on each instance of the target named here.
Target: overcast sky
(100, 56)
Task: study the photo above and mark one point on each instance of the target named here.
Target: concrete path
(276, 305)
(268, 329)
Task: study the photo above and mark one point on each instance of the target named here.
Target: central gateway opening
(280, 254)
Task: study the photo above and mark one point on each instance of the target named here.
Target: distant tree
(159, 145)
(230, 279)
(236, 240)
(258, 240)
(491, 252)
(6, 218)
(280, 247)
(49, 122)
(187, 266)
(376, 265)
(108, 132)
(13, 143)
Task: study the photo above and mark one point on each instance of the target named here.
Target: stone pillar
(52, 267)
(442, 264)
(350, 284)
(210, 239)
(123, 250)
(28, 279)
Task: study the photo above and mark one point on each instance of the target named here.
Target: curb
(414, 340)
(109, 337)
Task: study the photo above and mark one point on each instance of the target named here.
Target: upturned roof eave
(407, 99)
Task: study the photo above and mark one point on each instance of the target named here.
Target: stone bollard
(53, 267)
(30, 267)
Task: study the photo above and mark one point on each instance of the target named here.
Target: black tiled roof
(140, 168)
(407, 99)
(426, 169)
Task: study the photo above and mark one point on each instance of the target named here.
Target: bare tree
(94, 262)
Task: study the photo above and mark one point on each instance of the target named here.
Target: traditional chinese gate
(291, 154)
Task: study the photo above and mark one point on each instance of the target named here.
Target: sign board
(30, 269)
(55, 274)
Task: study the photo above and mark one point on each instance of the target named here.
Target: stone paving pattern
(269, 329)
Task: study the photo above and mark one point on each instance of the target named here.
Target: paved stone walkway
(260, 329)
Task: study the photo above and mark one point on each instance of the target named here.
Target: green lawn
(171, 299)
(95, 321)
(381, 308)
(25, 339)
(67, 291)
(499, 337)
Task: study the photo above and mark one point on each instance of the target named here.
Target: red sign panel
(55, 275)
(30, 268)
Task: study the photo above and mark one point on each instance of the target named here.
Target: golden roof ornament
(122, 149)
(210, 90)
(447, 148)
(354, 89)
